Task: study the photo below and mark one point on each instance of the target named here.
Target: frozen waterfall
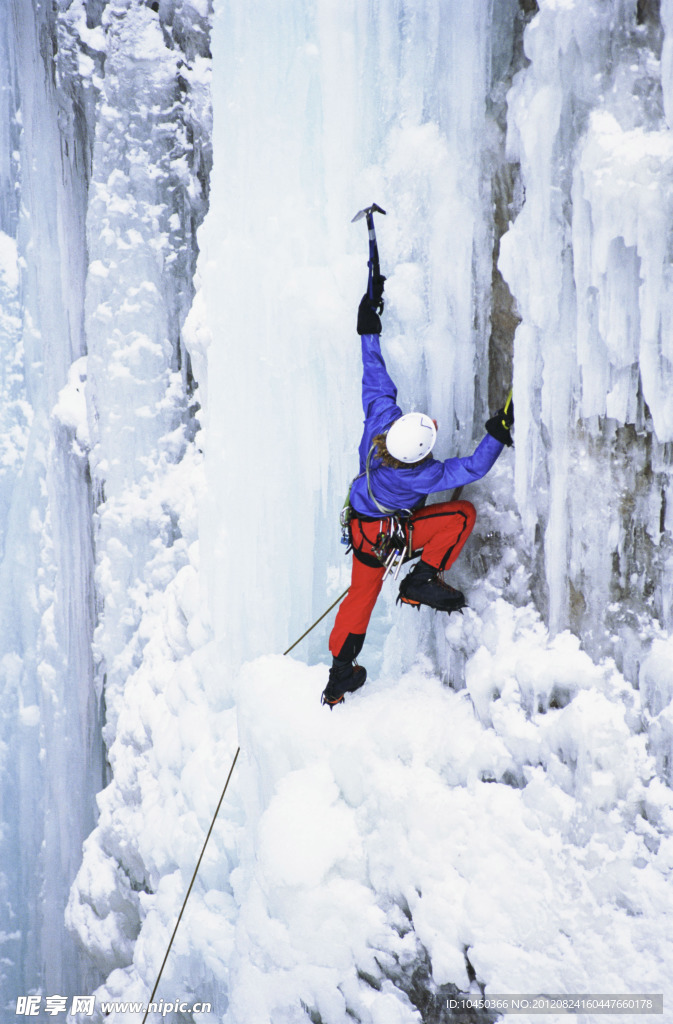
(179, 421)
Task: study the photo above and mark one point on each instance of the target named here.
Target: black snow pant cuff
(351, 647)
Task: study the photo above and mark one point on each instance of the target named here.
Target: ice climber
(385, 510)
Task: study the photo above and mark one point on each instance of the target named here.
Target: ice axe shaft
(374, 267)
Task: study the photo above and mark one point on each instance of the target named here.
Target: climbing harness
(393, 544)
(391, 547)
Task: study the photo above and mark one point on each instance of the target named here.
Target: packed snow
(492, 813)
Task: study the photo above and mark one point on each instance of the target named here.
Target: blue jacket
(397, 488)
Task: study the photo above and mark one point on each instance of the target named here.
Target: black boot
(424, 585)
(344, 677)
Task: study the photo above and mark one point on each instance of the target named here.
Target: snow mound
(514, 829)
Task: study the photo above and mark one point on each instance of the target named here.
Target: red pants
(439, 531)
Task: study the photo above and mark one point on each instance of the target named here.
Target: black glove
(368, 319)
(499, 425)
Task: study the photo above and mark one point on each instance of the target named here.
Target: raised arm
(443, 476)
(379, 394)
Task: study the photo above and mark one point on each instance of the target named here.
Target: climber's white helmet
(411, 437)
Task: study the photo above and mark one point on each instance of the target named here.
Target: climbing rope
(333, 605)
(196, 871)
(212, 824)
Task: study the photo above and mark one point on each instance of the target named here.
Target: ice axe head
(367, 212)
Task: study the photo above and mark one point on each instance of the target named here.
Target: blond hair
(381, 452)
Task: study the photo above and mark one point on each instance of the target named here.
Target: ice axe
(373, 264)
(506, 408)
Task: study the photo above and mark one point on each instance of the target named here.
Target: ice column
(588, 262)
(148, 192)
(144, 201)
(342, 105)
(52, 762)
